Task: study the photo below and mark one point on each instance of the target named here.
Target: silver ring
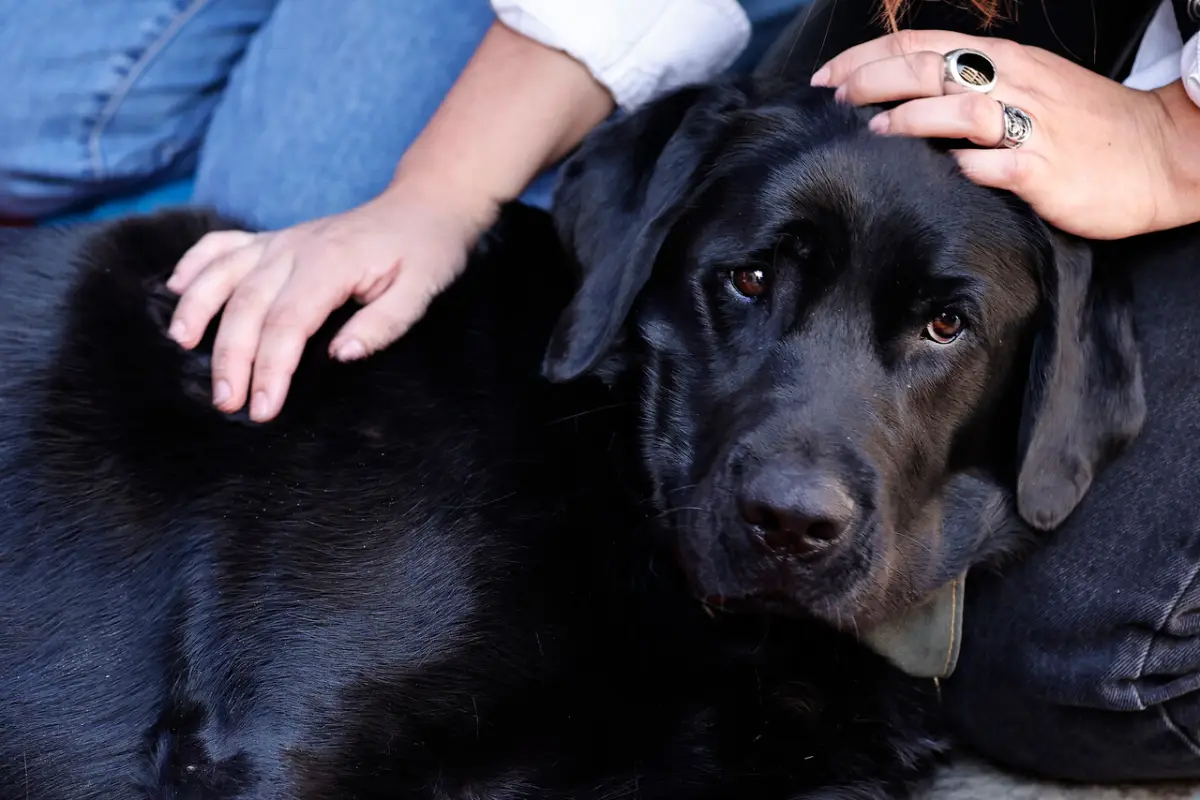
(970, 69)
(1018, 127)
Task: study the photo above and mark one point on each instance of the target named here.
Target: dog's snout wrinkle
(795, 512)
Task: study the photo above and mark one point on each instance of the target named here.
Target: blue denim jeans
(1083, 662)
(283, 110)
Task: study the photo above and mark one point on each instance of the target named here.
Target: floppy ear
(615, 203)
(1085, 400)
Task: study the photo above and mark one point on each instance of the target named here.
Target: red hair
(891, 9)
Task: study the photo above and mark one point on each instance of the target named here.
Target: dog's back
(169, 576)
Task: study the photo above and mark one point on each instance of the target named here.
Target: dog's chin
(839, 594)
(846, 613)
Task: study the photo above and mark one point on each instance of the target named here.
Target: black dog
(438, 575)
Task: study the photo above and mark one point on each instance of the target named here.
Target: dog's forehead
(877, 196)
(865, 182)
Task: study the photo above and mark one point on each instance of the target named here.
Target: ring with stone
(970, 69)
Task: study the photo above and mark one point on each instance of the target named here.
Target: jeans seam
(139, 67)
(1178, 730)
(1153, 637)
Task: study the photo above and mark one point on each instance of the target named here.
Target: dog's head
(828, 327)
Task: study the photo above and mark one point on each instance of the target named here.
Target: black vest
(1102, 35)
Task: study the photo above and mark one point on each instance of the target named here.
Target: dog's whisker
(588, 412)
(679, 509)
(917, 540)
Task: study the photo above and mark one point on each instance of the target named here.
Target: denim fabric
(101, 98)
(1083, 662)
(285, 110)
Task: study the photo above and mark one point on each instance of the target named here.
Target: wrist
(444, 188)
(1180, 142)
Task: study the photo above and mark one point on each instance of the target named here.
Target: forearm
(517, 108)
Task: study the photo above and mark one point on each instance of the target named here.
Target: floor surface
(971, 780)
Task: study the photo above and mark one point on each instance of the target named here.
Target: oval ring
(970, 69)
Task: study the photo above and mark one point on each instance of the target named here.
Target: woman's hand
(1100, 162)
(517, 107)
(394, 254)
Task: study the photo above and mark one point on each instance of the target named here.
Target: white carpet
(970, 780)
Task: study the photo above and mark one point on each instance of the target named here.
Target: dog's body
(423, 581)
(438, 575)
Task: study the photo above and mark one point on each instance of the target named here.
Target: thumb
(385, 319)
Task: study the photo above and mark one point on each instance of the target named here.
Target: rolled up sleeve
(1163, 57)
(637, 49)
(1189, 66)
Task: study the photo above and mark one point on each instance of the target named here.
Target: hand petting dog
(1097, 158)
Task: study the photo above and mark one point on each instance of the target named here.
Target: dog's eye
(749, 282)
(945, 327)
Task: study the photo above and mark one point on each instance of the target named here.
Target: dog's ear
(1085, 400)
(615, 203)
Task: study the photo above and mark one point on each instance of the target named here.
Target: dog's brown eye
(749, 282)
(944, 328)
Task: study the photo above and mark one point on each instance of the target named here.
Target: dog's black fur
(438, 575)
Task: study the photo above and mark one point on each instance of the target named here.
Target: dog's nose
(796, 512)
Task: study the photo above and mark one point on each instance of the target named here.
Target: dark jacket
(1102, 35)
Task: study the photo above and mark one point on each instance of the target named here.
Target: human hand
(394, 255)
(1098, 162)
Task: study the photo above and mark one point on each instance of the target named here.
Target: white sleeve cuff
(1189, 66)
(638, 49)
(1163, 57)
(1156, 63)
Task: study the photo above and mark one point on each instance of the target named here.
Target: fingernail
(840, 94)
(880, 123)
(221, 393)
(172, 282)
(260, 406)
(820, 77)
(351, 351)
(177, 330)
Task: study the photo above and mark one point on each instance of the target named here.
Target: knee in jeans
(1053, 674)
(1057, 644)
(1087, 715)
